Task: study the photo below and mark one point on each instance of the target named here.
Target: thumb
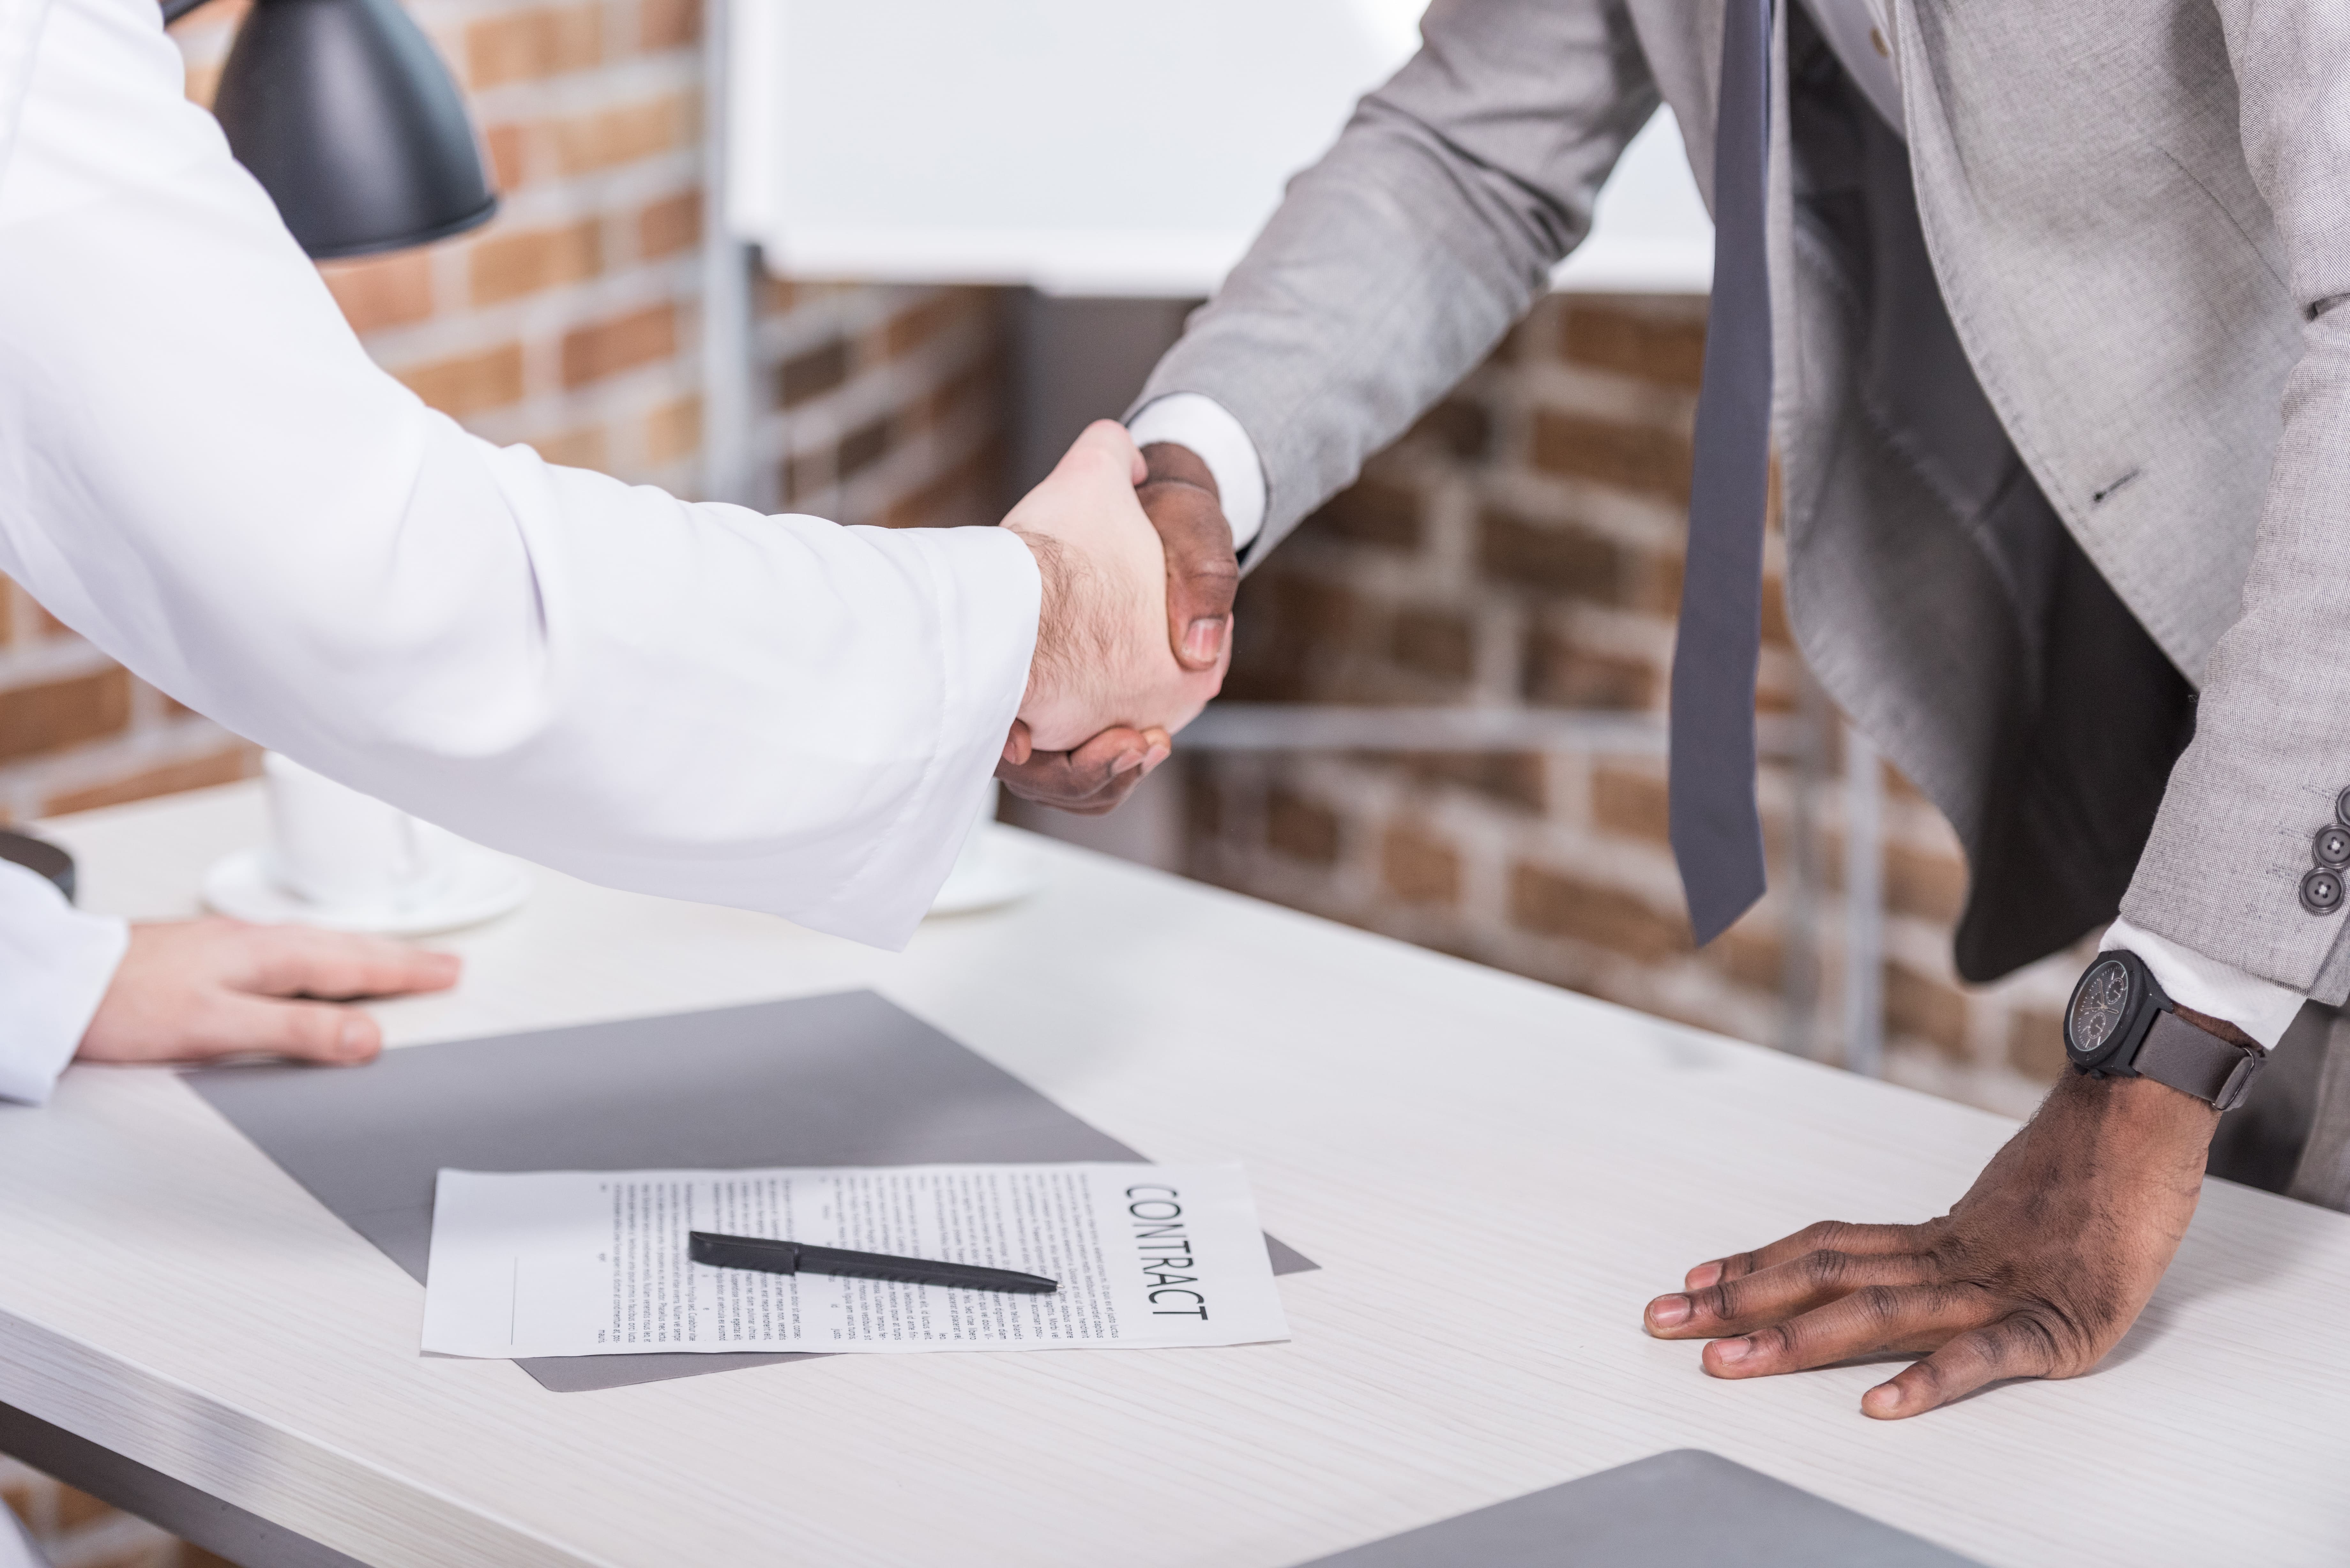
(1088, 500)
(1017, 746)
(1107, 441)
(304, 1031)
(1203, 572)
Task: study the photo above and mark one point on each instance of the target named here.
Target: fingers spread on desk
(2019, 1345)
(1872, 1319)
(296, 961)
(199, 990)
(1826, 1236)
(305, 1030)
(1744, 1302)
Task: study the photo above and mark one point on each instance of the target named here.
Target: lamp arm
(175, 9)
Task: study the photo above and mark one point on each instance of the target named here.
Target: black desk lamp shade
(41, 856)
(345, 115)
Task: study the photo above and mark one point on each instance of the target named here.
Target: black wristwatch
(2119, 1024)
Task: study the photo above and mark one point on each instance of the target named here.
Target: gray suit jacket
(2063, 401)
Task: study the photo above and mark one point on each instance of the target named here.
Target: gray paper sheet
(1685, 1508)
(847, 1079)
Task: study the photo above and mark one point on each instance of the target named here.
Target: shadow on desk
(2241, 1239)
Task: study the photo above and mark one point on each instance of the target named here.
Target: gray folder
(1687, 1509)
(847, 1079)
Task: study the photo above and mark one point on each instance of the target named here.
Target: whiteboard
(1090, 147)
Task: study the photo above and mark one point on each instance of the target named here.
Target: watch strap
(2177, 1053)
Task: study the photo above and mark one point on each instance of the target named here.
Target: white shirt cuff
(56, 963)
(2261, 1008)
(1195, 420)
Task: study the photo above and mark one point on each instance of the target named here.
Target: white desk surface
(1494, 1175)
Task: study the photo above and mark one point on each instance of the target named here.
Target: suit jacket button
(2342, 808)
(2321, 892)
(2332, 847)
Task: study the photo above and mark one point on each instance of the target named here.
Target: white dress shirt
(202, 471)
(1861, 35)
(55, 964)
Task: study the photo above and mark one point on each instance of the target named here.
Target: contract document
(594, 1263)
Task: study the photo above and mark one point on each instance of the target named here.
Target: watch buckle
(2239, 1081)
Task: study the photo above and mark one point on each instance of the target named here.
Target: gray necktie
(1717, 833)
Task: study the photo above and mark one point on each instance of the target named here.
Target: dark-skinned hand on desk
(1179, 496)
(192, 990)
(2037, 1271)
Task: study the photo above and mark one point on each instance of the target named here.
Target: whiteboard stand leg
(1864, 884)
(726, 314)
(1799, 974)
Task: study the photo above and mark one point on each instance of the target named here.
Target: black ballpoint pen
(798, 1258)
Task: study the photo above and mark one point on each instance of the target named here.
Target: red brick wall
(569, 322)
(1522, 548)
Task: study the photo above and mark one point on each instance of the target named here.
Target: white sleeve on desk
(1195, 420)
(54, 964)
(202, 471)
(2261, 1008)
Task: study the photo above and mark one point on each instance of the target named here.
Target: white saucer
(480, 884)
(996, 867)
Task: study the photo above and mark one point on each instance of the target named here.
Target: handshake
(1133, 633)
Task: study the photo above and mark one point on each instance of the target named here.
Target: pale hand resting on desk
(1103, 680)
(1179, 496)
(2037, 1271)
(195, 990)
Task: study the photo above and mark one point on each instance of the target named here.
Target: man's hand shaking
(1135, 630)
(1105, 691)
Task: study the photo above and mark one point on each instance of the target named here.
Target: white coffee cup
(338, 849)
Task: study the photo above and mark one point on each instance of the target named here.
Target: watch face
(2099, 1006)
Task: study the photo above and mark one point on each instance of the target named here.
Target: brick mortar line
(556, 413)
(625, 79)
(48, 660)
(1609, 396)
(549, 314)
(809, 324)
(26, 782)
(812, 426)
(1633, 519)
(904, 472)
(556, 201)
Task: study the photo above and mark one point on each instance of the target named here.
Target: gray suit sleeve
(2271, 745)
(1396, 264)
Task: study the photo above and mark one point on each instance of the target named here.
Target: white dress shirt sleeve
(2261, 1008)
(1195, 420)
(54, 964)
(202, 471)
